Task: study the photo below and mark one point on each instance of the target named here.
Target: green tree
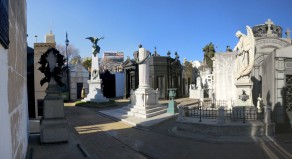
(87, 63)
(209, 52)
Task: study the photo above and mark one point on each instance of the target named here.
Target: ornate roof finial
(270, 28)
(140, 46)
(168, 53)
(155, 52)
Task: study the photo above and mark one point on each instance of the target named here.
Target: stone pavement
(101, 137)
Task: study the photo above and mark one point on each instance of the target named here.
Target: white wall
(5, 134)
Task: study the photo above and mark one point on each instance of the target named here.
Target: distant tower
(50, 37)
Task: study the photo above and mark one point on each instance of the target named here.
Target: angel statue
(95, 47)
(245, 49)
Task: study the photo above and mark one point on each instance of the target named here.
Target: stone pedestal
(95, 94)
(145, 103)
(54, 126)
(172, 105)
(244, 92)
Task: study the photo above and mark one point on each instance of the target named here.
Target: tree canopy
(73, 53)
(209, 52)
(87, 63)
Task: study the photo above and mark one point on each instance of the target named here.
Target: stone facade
(78, 79)
(14, 114)
(131, 76)
(266, 43)
(277, 85)
(165, 72)
(271, 70)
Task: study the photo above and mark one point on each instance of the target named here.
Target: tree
(73, 53)
(209, 52)
(87, 63)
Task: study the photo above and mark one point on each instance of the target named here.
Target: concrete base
(54, 130)
(210, 127)
(145, 123)
(95, 94)
(144, 103)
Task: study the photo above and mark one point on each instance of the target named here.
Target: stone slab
(53, 131)
(121, 115)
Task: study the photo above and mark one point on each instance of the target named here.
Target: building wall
(13, 112)
(268, 81)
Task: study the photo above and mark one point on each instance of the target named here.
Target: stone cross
(52, 60)
(269, 23)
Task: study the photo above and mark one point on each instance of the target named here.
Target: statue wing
(91, 39)
(251, 53)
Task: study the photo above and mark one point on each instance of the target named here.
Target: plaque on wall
(4, 24)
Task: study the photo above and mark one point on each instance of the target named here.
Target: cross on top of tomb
(269, 23)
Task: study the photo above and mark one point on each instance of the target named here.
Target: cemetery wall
(13, 112)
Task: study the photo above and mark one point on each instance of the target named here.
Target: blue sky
(185, 26)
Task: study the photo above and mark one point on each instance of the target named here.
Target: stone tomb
(144, 100)
(54, 126)
(224, 70)
(78, 80)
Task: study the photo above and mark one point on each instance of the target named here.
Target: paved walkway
(101, 137)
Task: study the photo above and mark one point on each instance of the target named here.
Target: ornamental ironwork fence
(234, 114)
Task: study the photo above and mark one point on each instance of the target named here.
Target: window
(4, 24)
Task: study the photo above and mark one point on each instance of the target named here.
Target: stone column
(94, 67)
(143, 69)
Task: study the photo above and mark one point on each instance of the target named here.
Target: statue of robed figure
(245, 49)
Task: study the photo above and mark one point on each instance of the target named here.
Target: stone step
(146, 111)
(149, 115)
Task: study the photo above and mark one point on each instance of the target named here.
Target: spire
(50, 38)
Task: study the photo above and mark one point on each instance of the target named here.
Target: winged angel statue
(95, 47)
(245, 56)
